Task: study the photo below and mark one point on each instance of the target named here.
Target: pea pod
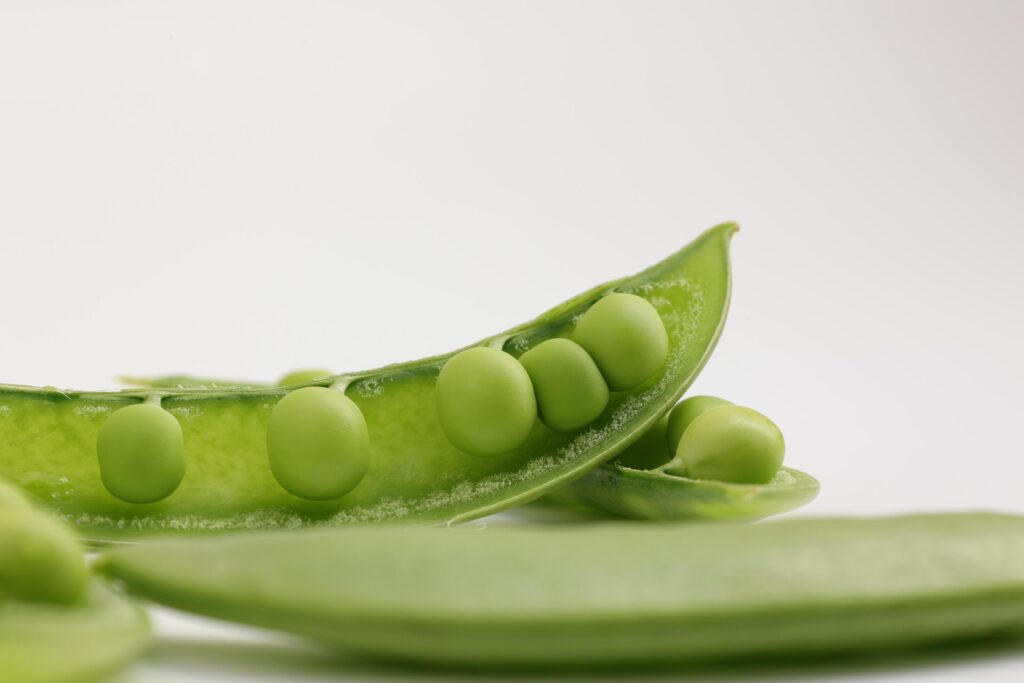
(49, 643)
(611, 593)
(655, 495)
(48, 437)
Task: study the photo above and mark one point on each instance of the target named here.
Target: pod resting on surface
(649, 494)
(48, 643)
(48, 437)
(590, 595)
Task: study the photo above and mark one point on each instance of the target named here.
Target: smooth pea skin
(626, 337)
(40, 560)
(141, 453)
(570, 390)
(303, 376)
(730, 443)
(485, 401)
(318, 443)
(680, 417)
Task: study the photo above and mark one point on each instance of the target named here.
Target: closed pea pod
(730, 443)
(570, 390)
(485, 401)
(318, 443)
(141, 453)
(626, 337)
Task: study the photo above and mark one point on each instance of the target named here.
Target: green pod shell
(84, 641)
(11, 497)
(40, 560)
(604, 594)
(317, 443)
(48, 436)
(570, 390)
(304, 376)
(617, 490)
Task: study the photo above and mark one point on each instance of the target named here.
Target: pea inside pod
(39, 559)
(422, 468)
(730, 443)
(141, 453)
(570, 390)
(626, 337)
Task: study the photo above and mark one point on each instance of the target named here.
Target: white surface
(242, 188)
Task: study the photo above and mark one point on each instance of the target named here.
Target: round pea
(627, 339)
(684, 413)
(39, 559)
(11, 497)
(570, 390)
(303, 376)
(731, 443)
(649, 451)
(485, 401)
(318, 443)
(141, 453)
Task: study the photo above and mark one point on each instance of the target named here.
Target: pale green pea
(730, 443)
(649, 451)
(39, 559)
(485, 401)
(303, 376)
(626, 338)
(318, 443)
(570, 390)
(141, 453)
(12, 497)
(684, 412)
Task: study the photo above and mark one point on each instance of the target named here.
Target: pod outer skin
(612, 593)
(46, 643)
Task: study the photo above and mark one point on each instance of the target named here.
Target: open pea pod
(51, 643)
(651, 494)
(48, 436)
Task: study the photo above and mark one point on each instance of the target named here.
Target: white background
(241, 188)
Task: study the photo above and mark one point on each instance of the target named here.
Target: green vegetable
(39, 559)
(730, 443)
(626, 337)
(141, 453)
(634, 493)
(680, 417)
(48, 436)
(317, 443)
(10, 497)
(593, 595)
(485, 402)
(47, 643)
(56, 624)
(647, 452)
(570, 390)
(303, 377)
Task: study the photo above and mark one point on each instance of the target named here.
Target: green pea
(141, 453)
(570, 390)
(303, 376)
(730, 443)
(485, 401)
(684, 412)
(12, 497)
(627, 339)
(318, 443)
(649, 451)
(39, 559)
